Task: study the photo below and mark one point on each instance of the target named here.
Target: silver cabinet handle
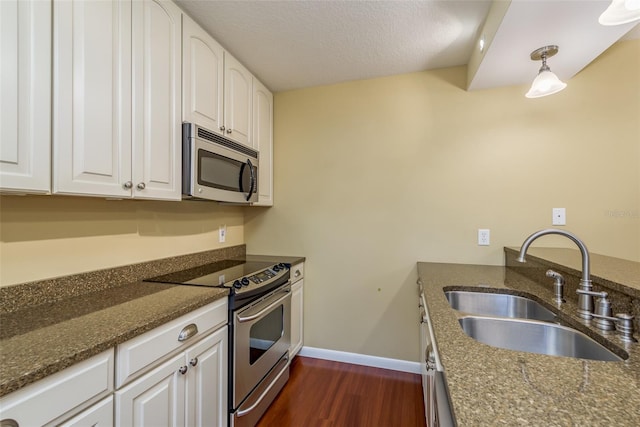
(297, 273)
(222, 128)
(183, 370)
(229, 130)
(141, 186)
(187, 332)
(193, 362)
(127, 185)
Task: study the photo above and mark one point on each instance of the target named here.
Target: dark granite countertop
(489, 386)
(39, 341)
(50, 325)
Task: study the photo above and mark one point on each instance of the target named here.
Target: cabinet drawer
(99, 415)
(141, 353)
(297, 272)
(71, 389)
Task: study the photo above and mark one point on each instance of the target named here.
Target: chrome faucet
(585, 301)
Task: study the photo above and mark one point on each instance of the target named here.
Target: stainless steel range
(259, 329)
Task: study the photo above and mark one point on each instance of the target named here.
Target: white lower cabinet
(184, 381)
(297, 309)
(188, 389)
(155, 399)
(206, 397)
(61, 395)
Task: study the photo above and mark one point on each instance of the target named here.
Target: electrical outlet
(222, 233)
(559, 216)
(484, 237)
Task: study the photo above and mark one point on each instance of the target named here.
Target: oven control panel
(261, 276)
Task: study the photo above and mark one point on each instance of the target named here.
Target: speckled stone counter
(50, 325)
(490, 386)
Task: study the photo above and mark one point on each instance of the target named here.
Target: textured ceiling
(295, 44)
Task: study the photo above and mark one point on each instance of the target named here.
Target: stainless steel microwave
(217, 168)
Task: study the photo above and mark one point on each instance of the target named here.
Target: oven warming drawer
(256, 404)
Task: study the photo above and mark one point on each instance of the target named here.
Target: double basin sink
(518, 323)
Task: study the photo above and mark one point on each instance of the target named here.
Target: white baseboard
(361, 359)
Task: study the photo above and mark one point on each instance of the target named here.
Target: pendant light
(621, 12)
(545, 83)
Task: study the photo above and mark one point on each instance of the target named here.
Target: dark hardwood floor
(326, 393)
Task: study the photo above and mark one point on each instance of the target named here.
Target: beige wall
(372, 176)
(46, 236)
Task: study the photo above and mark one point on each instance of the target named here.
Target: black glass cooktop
(216, 274)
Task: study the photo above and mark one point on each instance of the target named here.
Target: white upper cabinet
(25, 96)
(263, 141)
(157, 97)
(238, 83)
(116, 98)
(92, 97)
(217, 89)
(202, 76)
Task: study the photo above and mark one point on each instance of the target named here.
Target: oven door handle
(264, 310)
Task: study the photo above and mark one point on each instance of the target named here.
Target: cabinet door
(157, 96)
(262, 137)
(297, 317)
(202, 77)
(155, 399)
(92, 97)
(206, 403)
(25, 96)
(238, 84)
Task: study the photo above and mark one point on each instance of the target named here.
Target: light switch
(559, 216)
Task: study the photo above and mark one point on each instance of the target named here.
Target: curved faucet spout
(585, 302)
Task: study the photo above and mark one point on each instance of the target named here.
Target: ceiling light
(621, 12)
(546, 83)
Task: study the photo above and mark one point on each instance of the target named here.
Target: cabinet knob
(229, 130)
(194, 361)
(183, 370)
(297, 273)
(127, 185)
(222, 128)
(141, 186)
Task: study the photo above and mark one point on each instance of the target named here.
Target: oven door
(262, 337)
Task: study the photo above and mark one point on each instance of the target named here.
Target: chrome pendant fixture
(620, 12)
(545, 83)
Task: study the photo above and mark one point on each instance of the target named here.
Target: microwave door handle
(252, 180)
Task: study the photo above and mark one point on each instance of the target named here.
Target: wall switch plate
(484, 237)
(222, 233)
(559, 216)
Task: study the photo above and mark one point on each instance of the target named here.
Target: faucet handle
(624, 325)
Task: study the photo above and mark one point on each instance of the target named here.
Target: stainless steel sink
(535, 337)
(503, 305)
